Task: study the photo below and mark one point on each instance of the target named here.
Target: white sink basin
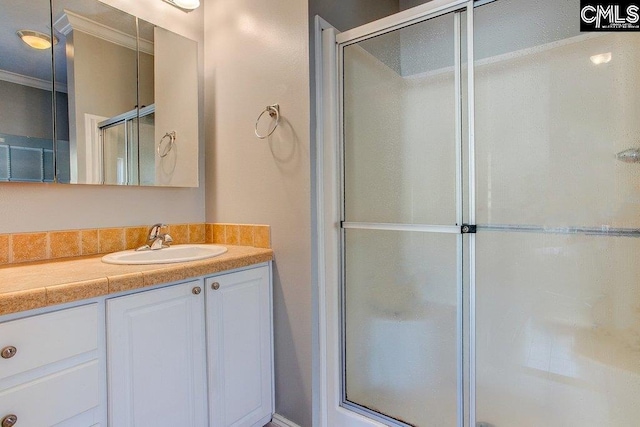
(178, 253)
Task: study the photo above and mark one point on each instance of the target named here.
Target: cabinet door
(239, 337)
(157, 358)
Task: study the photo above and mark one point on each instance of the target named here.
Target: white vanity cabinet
(157, 357)
(166, 369)
(239, 333)
(52, 369)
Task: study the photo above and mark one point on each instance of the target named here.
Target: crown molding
(23, 80)
(70, 21)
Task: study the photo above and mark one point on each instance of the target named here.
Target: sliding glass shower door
(530, 316)
(401, 224)
(558, 279)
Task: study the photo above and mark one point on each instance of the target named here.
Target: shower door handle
(468, 229)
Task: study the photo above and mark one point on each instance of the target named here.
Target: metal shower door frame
(400, 20)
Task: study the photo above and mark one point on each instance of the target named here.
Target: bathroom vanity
(191, 351)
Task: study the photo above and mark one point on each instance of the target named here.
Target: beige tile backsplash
(179, 233)
(64, 244)
(258, 236)
(197, 233)
(29, 247)
(25, 247)
(4, 248)
(89, 240)
(134, 237)
(111, 240)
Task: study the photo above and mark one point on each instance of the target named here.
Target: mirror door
(26, 92)
(97, 60)
(104, 64)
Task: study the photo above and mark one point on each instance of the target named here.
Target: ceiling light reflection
(602, 58)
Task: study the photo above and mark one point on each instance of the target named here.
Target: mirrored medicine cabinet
(113, 100)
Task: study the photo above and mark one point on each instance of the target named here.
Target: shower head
(630, 155)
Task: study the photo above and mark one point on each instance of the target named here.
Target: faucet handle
(154, 231)
(157, 244)
(167, 238)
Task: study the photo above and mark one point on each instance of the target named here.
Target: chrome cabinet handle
(7, 353)
(9, 420)
(196, 290)
(215, 286)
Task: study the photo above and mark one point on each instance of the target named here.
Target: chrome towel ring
(274, 111)
(168, 146)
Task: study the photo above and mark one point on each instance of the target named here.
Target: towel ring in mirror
(162, 152)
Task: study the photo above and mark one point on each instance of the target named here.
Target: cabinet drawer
(47, 338)
(55, 398)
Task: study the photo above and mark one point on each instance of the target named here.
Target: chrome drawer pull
(9, 420)
(7, 353)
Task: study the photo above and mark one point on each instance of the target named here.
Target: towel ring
(169, 145)
(274, 111)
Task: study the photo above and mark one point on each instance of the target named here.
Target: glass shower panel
(401, 281)
(399, 126)
(557, 322)
(147, 150)
(133, 150)
(558, 338)
(553, 107)
(400, 324)
(114, 140)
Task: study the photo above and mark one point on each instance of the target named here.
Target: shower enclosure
(479, 239)
(128, 151)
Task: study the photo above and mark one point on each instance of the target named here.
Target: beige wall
(34, 207)
(146, 80)
(257, 55)
(114, 93)
(25, 110)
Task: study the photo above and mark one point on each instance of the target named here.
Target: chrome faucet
(156, 239)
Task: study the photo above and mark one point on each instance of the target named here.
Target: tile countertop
(46, 283)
